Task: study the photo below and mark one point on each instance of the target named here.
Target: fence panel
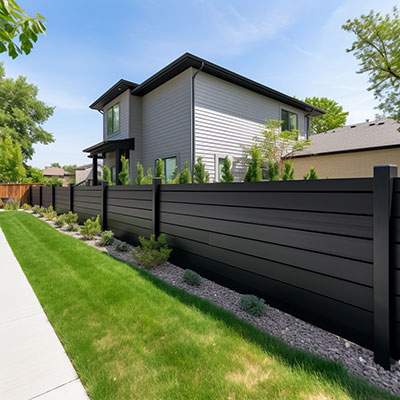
(46, 196)
(35, 196)
(87, 202)
(16, 191)
(62, 199)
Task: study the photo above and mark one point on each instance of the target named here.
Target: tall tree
(200, 174)
(69, 168)
(55, 165)
(335, 117)
(22, 114)
(33, 175)
(15, 23)
(377, 47)
(107, 175)
(124, 174)
(11, 166)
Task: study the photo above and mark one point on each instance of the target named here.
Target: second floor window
(289, 120)
(113, 119)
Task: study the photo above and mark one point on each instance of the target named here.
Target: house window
(113, 119)
(169, 165)
(289, 120)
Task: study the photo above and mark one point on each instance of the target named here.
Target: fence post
(40, 195)
(156, 206)
(30, 195)
(71, 197)
(104, 190)
(382, 206)
(53, 196)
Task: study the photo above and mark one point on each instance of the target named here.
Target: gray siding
(227, 118)
(123, 99)
(166, 121)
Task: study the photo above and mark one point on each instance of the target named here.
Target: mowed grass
(132, 336)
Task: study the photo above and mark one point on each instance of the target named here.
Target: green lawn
(132, 336)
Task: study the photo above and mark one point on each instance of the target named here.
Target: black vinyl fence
(327, 251)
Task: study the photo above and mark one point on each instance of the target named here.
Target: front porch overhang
(110, 146)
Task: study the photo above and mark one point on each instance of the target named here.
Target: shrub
(107, 175)
(200, 174)
(253, 305)
(72, 227)
(152, 253)
(107, 238)
(60, 221)
(254, 173)
(160, 167)
(288, 171)
(226, 175)
(311, 175)
(71, 218)
(184, 176)
(50, 215)
(26, 206)
(35, 209)
(191, 278)
(11, 205)
(42, 211)
(122, 246)
(273, 171)
(140, 173)
(91, 228)
(124, 174)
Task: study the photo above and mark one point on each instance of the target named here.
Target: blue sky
(295, 47)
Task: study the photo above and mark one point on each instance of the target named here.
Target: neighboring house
(188, 109)
(59, 173)
(84, 174)
(351, 151)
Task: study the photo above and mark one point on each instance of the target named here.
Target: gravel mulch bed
(290, 329)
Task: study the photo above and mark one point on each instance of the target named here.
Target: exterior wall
(346, 165)
(135, 114)
(84, 174)
(124, 100)
(166, 121)
(227, 118)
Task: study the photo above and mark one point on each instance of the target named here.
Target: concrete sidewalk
(33, 363)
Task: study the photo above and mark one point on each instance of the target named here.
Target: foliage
(185, 176)
(26, 207)
(254, 173)
(42, 211)
(312, 174)
(71, 218)
(69, 168)
(15, 23)
(253, 305)
(107, 238)
(191, 278)
(91, 228)
(160, 168)
(273, 171)
(50, 215)
(140, 173)
(288, 171)
(60, 221)
(200, 175)
(107, 175)
(35, 209)
(377, 48)
(33, 175)
(122, 247)
(152, 252)
(22, 114)
(72, 227)
(11, 166)
(148, 179)
(226, 175)
(335, 117)
(124, 174)
(11, 205)
(55, 165)
(53, 181)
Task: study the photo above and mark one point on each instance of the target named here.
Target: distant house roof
(55, 171)
(357, 137)
(186, 61)
(86, 166)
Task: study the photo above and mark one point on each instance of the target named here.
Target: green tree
(184, 176)
(226, 175)
(22, 114)
(33, 175)
(160, 168)
(55, 164)
(69, 168)
(335, 117)
(312, 174)
(148, 179)
(273, 171)
(15, 23)
(288, 171)
(200, 174)
(53, 181)
(124, 174)
(140, 173)
(11, 166)
(253, 173)
(377, 48)
(107, 175)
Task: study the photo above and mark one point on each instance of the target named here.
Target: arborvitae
(160, 170)
(288, 171)
(140, 173)
(226, 175)
(124, 174)
(148, 179)
(254, 173)
(312, 174)
(273, 171)
(107, 175)
(184, 176)
(175, 176)
(200, 174)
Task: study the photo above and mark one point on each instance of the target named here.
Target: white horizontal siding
(124, 111)
(227, 118)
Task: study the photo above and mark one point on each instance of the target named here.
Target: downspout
(192, 116)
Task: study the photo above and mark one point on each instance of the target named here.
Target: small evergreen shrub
(71, 218)
(273, 171)
(72, 227)
(107, 238)
(311, 175)
(288, 171)
(253, 305)
(50, 215)
(122, 247)
(35, 209)
(42, 211)
(91, 228)
(152, 252)
(26, 207)
(191, 278)
(226, 175)
(60, 221)
(11, 205)
(200, 174)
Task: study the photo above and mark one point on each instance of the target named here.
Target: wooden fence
(327, 251)
(16, 191)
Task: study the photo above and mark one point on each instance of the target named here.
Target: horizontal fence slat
(133, 212)
(125, 219)
(131, 195)
(144, 204)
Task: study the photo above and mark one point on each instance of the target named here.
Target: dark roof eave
(112, 145)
